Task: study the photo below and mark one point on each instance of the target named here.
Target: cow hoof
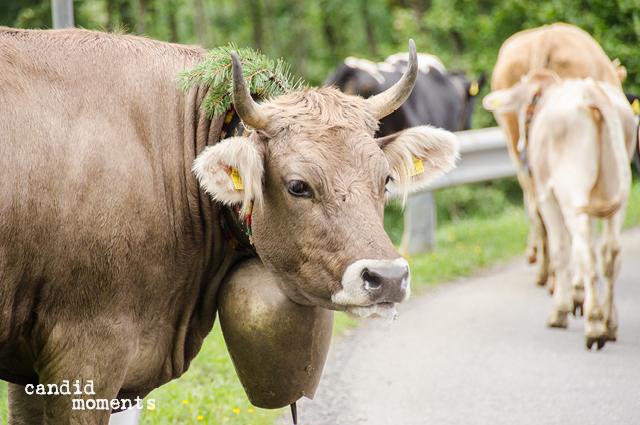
(542, 280)
(612, 335)
(601, 340)
(551, 284)
(577, 305)
(558, 320)
(532, 255)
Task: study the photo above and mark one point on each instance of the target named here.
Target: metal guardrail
(483, 156)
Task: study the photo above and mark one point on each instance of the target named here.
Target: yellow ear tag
(237, 181)
(417, 168)
(636, 107)
(473, 89)
(496, 102)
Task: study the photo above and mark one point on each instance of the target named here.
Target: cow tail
(606, 209)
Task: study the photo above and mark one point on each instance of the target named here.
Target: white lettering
(151, 404)
(65, 385)
(40, 390)
(124, 402)
(77, 403)
(51, 387)
(102, 404)
(77, 385)
(26, 389)
(115, 404)
(93, 404)
(89, 384)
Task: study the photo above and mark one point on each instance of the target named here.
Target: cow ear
(232, 171)
(502, 100)
(418, 155)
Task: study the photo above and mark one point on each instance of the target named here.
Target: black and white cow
(440, 98)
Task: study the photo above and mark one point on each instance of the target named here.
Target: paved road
(478, 352)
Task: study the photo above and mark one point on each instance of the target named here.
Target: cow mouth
(385, 310)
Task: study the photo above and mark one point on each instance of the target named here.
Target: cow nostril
(372, 280)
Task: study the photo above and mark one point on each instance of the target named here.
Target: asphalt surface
(478, 352)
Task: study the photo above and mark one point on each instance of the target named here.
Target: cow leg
(610, 266)
(508, 121)
(584, 278)
(544, 263)
(24, 408)
(559, 250)
(93, 358)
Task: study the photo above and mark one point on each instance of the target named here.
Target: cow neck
(235, 228)
(462, 94)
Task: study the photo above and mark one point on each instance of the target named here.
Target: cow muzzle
(374, 287)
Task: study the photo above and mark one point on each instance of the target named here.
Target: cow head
(517, 97)
(317, 179)
(467, 90)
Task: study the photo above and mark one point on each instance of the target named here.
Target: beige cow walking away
(571, 53)
(579, 146)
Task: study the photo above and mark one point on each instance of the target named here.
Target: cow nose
(386, 283)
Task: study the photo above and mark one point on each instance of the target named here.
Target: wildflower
(477, 250)
(200, 417)
(236, 410)
(459, 245)
(185, 401)
(250, 410)
(452, 237)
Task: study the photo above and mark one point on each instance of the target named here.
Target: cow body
(571, 53)
(111, 248)
(439, 98)
(581, 138)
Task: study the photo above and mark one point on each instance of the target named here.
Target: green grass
(211, 389)
(209, 393)
(3, 403)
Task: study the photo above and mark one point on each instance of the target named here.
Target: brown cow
(571, 53)
(580, 142)
(111, 248)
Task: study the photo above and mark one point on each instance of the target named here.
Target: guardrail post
(62, 13)
(483, 156)
(420, 224)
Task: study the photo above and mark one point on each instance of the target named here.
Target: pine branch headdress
(264, 78)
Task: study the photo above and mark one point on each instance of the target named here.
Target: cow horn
(391, 99)
(248, 110)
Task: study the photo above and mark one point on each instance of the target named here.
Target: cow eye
(299, 189)
(387, 181)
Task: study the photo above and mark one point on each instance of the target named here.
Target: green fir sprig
(264, 78)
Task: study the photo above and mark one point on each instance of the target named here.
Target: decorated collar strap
(236, 229)
(524, 139)
(531, 109)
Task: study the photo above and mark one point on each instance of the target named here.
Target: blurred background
(315, 36)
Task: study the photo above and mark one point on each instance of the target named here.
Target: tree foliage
(315, 35)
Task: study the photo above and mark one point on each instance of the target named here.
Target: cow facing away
(581, 139)
(440, 98)
(111, 247)
(571, 53)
